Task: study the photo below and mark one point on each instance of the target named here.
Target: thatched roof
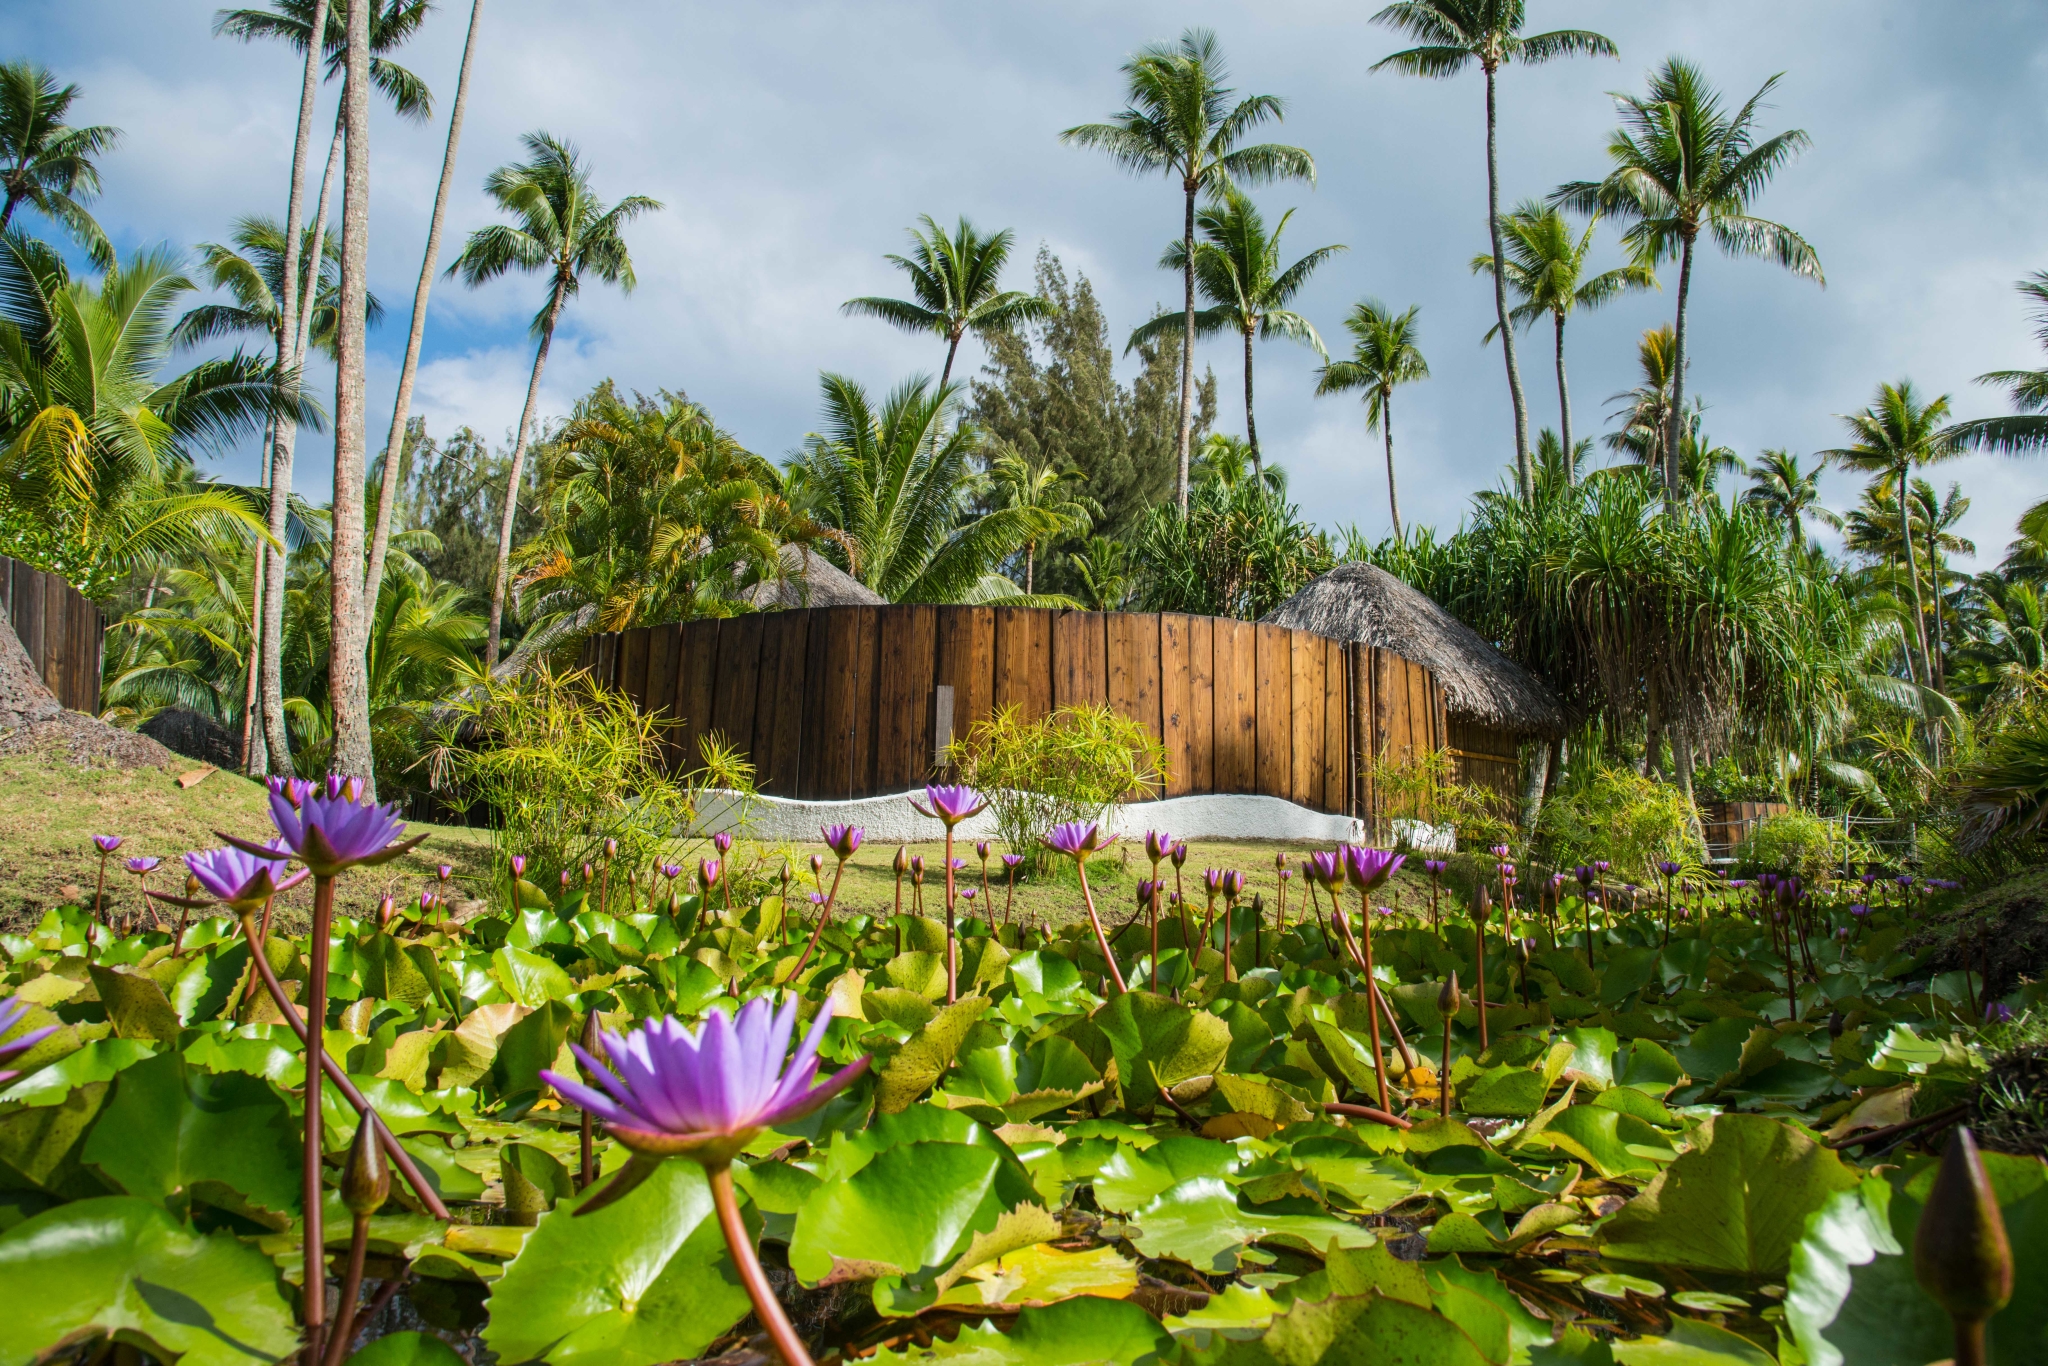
(810, 580)
(1364, 602)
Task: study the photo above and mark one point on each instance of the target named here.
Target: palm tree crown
(1237, 266)
(393, 23)
(1683, 165)
(249, 268)
(2027, 431)
(45, 163)
(1384, 354)
(1024, 483)
(1179, 118)
(956, 281)
(1791, 494)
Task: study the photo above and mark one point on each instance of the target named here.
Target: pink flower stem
(1372, 986)
(315, 1290)
(766, 1307)
(1102, 941)
(824, 911)
(952, 958)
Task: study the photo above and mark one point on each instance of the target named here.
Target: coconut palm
(91, 439)
(956, 281)
(1237, 265)
(1897, 433)
(1683, 165)
(1024, 483)
(2026, 431)
(1644, 412)
(392, 24)
(1178, 118)
(249, 269)
(1453, 35)
(1874, 529)
(563, 231)
(1789, 493)
(895, 480)
(1384, 354)
(1106, 574)
(44, 162)
(1546, 268)
(1555, 475)
(2004, 651)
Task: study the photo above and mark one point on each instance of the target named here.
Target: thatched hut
(808, 579)
(1492, 704)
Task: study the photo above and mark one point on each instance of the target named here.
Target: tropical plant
(1105, 574)
(957, 284)
(1796, 842)
(1024, 484)
(2002, 655)
(1452, 36)
(46, 163)
(1178, 118)
(249, 269)
(1238, 269)
(91, 439)
(1556, 475)
(2027, 430)
(1624, 818)
(1683, 165)
(1898, 432)
(1789, 493)
(895, 481)
(563, 231)
(1384, 354)
(1546, 269)
(1241, 550)
(1070, 765)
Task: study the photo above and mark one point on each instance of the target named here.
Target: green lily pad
(1084, 1331)
(406, 1349)
(905, 1212)
(1155, 1038)
(1692, 1343)
(1200, 1222)
(1613, 1286)
(1132, 1178)
(920, 1063)
(1353, 1331)
(170, 1132)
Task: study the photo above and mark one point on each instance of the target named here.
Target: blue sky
(794, 143)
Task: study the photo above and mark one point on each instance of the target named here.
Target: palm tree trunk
(1387, 431)
(347, 677)
(1251, 427)
(255, 760)
(1564, 405)
(952, 348)
(1525, 475)
(1913, 578)
(1938, 667)
(1675, 416)
(1030, 554)
(1187, 349)
(500, 581)
(269, 633)
(401, 408)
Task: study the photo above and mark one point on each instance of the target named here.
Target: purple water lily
(332, 831)
(1158, 846)
(951, 803)
(1013, 861)
(139, 866)
(843, 840)
(12, 1013)
(671, 871)
(240, 879)
(1367, 868)
(1180, 853)
(707, 873)
(1212, 881)
(1434, 866)
(1997, 1013)
(107, 844)
(1078, 839)
(1146, 887)
(519, 865)
(1601, 865)
(704, 1094)
(722, 842)
(1326, 869)
(981, 850)
(1499, 851)
(1668, 868)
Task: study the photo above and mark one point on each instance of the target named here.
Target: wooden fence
(844, 702)
(61, 630)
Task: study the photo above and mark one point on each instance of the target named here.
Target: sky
(793, 145)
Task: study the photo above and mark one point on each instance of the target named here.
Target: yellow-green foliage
(1631, 821)
(1424, 787)
(1069, 766)
(1793, 842)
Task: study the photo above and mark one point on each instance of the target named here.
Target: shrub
(1631, 821)
(1424, 787)
(1072, 765)
(563, 765)
(1793, 842)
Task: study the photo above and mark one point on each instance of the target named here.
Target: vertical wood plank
(1336, 729)
(1237, 717)
(1275, 712)
(963, 661)
(762, 744)
(1132, 652)
(1305, 653)
(904, 649)
(739, 679)
(1176, 702)
(696, 680)
(860, 703)
(822, 747)
(785, 762)
(633, 665)
(1078, 649)
(1202, 705)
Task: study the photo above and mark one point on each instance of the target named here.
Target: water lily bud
(817, 865)
(1448, 1001)
(611, 848)
(192, 887)
(366, 1180)
(902, 861)
(1961, 1255)
(1180, 853)
(386, 908)
(1482, 905)
(722, 842)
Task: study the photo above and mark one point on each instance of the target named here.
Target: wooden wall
(834, 703)
(61, 630)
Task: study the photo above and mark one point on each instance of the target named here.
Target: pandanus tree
(562, 232)
(1546, 269)
(957, 284)
(1452, 37)
(1179, 119)
(47, 164)
(1383, 356)
(1238, 269)
(1684, 165)
(894, 480)
(92, 435)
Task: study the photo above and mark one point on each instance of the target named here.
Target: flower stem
(824, 911)
(1116, 973)
(351, 1289)
(952, 959)
(766, 1307)
(316, 1021)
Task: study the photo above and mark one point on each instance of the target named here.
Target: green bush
(1425, 787)
(1631, 821)
(563, 765)
(1793, 842)
(1072, 765)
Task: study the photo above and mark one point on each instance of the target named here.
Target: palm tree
(1555, 475)
(1178, 118)
(895, 481)
(1383, 354)
(2027, 431)
(1238, 268)
(249, 269)
(1896, 433)
(1106, 574)
(1545, 267)
(92, 441)
(44, 162)
(1684, 165)
(563, 230)
(1645, 410)
(1046, 488)
(1453, 34)
(955, 280)
(1778, 485)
